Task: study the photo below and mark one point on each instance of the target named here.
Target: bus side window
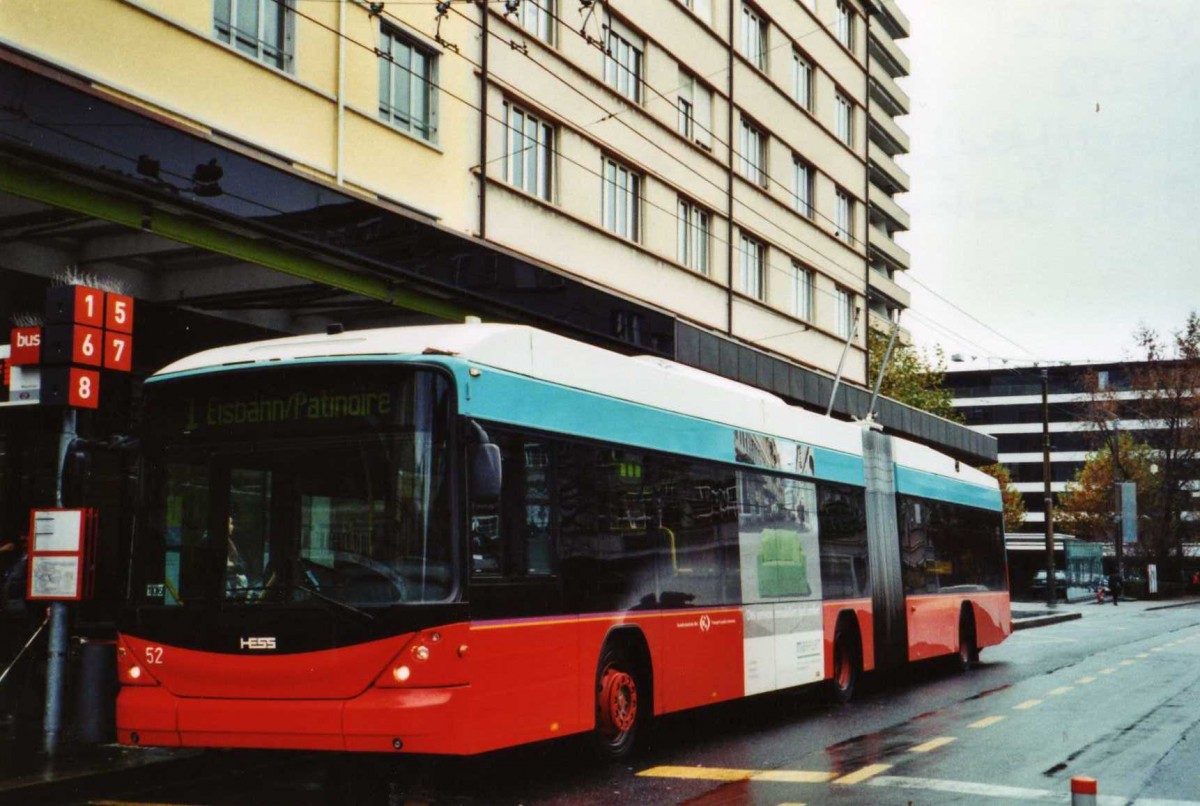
(512, 536)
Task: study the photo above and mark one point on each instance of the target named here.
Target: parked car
(1060, 585)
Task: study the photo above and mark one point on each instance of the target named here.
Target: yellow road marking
(1086, 679)
(1025, 706)
(794, 776)
(697, 773)
(1061, 690)
(986, 722)
(932, 744)
(858, 777)
(727, 774)
(1109, 670)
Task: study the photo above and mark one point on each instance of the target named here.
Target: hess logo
(257, 642)
(28, 339)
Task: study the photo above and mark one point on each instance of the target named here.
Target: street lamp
(1048, 502)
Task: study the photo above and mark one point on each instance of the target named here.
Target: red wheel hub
(618, 701)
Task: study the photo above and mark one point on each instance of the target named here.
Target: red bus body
(484, 686)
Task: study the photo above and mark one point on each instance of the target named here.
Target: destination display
(284, 400)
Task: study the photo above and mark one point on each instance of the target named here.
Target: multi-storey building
(731, 163)
(1006, 403)
(711, 181)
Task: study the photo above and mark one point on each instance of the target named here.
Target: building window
(701, 8)
(693, 236)
(845, 312)
(620, 200)
(407, 76)
(262, 29)
(623, 61)
(844, 216)
(753, 147)
(802, 185)
(802, 75)
(845, 119)
(754, 37)
(845, 24)
(694, 104)
(752, 266)
(537, 17)
(528, 152)
(802, 292)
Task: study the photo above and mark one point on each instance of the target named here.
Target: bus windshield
(296, 485)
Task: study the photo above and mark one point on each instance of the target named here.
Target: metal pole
(887, 355)
(1048, 502)
(56, 658)
(1118, 477)
(837, 380)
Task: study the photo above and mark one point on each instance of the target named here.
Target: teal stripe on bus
(518, 400)
(940, 488)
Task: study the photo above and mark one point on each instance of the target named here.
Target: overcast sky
(1055, 173)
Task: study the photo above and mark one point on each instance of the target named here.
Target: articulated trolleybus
(458, 538)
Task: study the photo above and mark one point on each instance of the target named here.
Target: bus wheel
(846, 664)
(968, 653)
(618, 702)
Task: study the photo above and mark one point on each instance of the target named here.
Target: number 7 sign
(118, 351)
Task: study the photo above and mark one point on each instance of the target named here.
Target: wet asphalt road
(1114, 695)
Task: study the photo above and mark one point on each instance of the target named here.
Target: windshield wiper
(335, 603)
(276, 585)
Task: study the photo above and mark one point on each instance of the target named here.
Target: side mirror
(485, 472)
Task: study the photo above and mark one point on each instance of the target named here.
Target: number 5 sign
(118, 313)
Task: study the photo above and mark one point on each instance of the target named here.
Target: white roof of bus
(647, 380)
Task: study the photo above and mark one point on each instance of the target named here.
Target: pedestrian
(1115, 583)
(1196, 582)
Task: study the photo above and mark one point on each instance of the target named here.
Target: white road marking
(1013, 792)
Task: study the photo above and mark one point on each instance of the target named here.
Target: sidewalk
(26, 775)
(1033, 614)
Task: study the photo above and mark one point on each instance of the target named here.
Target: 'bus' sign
(26, 346)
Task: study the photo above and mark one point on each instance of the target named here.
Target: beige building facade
(731, 163)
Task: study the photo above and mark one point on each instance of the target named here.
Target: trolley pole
(56, 661)
(1048, 502)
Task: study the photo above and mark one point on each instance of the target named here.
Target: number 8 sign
(84, 390)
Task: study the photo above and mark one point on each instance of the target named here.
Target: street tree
(911, 378)
(1162, 395)
(1086, 509)
(1014, 503)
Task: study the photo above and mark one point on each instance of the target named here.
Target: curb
(1043, 621)
(51, 783)
(1178, 604)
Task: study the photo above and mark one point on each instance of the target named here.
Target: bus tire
(847, 662)
(622, 700)
(968, 650)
